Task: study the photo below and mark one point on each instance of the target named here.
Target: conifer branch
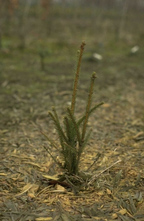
(52, 142)
(75, 125)
(91, 110)
(49, 152)
(71, 148)
(67, 127)
(58, 126)
(88, 105)
(55, 114)
(86, 140)
(77, 77)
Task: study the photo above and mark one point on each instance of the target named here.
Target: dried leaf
(61, 188)
(25, 189)
(114, 216)
(123, 211)
(50, 177)
(3, 174)
(109, 192)
(33, 190)
(43, 218)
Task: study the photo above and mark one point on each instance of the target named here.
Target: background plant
(73, 135)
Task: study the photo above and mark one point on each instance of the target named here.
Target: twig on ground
(93, 178)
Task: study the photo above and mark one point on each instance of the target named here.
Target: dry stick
(96, 176)
(77, 77)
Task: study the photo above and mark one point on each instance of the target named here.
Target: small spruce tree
(73, 135)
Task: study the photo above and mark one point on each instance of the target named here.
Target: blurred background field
(39, 40)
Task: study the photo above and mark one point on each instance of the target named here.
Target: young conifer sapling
(73, 134)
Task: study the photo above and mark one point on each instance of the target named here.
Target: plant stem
(88, 105)
(77, 77)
